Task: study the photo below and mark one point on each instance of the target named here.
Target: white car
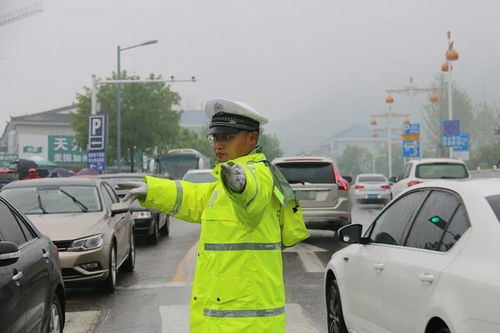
(371, 189)
(428, 169)
(429, 263)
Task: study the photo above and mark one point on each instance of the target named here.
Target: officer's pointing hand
(137, 190)
(234, 177)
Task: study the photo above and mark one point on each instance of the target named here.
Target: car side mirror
(351, 234)
(119, 208)
(9, 253)
(393, 180)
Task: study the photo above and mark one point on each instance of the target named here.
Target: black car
(31, 287)
(148, 222)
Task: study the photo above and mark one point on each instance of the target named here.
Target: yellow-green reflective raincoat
(238, 285)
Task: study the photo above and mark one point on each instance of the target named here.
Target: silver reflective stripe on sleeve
(241, 246)
(243, 313)
(178, 200)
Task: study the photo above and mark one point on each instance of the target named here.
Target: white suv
(426, 169)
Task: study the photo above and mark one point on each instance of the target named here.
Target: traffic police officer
(246, 216)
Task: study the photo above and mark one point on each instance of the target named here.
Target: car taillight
(413, 182)
(386, 187)
(357, 187)
(341, 183)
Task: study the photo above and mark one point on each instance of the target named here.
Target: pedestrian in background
(246, 216)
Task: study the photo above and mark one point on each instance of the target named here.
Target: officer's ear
(254, 137)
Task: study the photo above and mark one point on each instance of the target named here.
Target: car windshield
(316, 173)
(199, 177)
(54, 199)
(441, 171)
(372, 179)
(494, 201)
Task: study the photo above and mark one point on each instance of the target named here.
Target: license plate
(372, 196)
(305, 195)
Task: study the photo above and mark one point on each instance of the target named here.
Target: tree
(148, 120)
(355, 160)
(435, 112)
(271, 146)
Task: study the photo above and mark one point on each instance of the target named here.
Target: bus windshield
(177, 165)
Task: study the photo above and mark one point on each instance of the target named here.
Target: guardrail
(485, 173)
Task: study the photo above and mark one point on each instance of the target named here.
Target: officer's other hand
(136, 190)
(234, 177)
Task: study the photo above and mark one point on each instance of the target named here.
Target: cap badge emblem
(218, 107)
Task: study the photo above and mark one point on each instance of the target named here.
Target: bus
(176, 162)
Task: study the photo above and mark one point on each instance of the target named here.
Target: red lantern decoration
(389, 99)
(375, 134)
(434, 98)
(373, 122)
(452, 55)
(445, 67)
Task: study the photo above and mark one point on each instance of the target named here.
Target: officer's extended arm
(183, 200)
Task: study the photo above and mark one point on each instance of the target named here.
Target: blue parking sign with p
(96, 153)
(97, 132)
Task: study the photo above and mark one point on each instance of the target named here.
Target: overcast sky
(332, 60)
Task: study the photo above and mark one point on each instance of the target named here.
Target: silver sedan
(371, 189)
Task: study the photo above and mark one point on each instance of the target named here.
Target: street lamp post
(451, 55)
(118, 100)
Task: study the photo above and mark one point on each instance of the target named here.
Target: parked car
(428, 263)
(149, 223)
(427, 169)
(92, 230)
(31, 287)
(371, 189)
(199, 176)
(322, 192)
(6, 176)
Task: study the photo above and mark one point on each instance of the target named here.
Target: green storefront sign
(62, 151)
(31, 149)
(7, 159)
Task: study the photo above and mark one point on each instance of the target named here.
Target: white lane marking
(82, 321)
(175, 319)
(296, 321)
(155, 285)
(307, 255)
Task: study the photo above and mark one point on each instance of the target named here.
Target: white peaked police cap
(230, 108)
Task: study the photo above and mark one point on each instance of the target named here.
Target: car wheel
(55, 321)
(110, 283)
(336, 322)
(154, 238)
(165, 230)
(129, 264)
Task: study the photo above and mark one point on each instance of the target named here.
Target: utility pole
(412, 91)
(389, 116)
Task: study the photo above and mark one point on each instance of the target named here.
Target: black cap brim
(223, 130)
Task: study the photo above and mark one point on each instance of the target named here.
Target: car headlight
(87, 243)
(142, 215)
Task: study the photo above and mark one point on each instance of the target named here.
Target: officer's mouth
(221, 157)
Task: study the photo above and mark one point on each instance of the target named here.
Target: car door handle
(17, 276)
(46, 254)
(378, 266)
(424, 277)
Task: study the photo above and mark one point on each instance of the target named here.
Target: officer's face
(230, 146)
